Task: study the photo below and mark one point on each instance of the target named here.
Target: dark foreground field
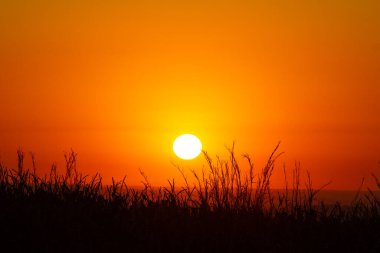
(225, 211)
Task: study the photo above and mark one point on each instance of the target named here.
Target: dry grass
(228, 209)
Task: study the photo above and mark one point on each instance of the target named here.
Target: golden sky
(117, 81)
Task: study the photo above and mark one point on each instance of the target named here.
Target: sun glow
(187, 146)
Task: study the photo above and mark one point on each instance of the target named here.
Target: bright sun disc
(187, 146)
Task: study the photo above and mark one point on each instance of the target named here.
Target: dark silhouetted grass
(228, 209)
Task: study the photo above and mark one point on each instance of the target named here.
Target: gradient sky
(117, 81)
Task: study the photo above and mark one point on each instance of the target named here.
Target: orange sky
(118, 81)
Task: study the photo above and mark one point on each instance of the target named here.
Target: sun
(187, 146)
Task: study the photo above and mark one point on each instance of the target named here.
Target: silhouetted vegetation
(228, 209)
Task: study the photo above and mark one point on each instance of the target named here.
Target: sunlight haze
(118, 81)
